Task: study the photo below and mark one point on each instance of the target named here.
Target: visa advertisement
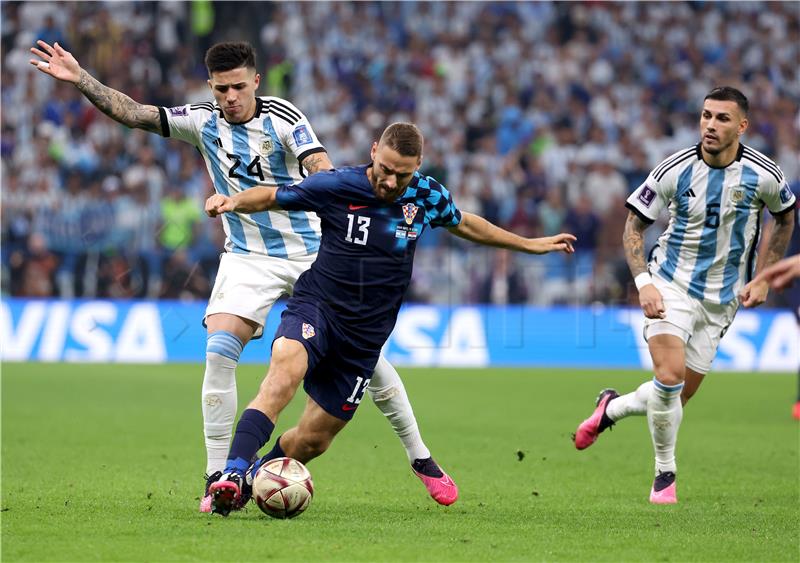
(425, 335)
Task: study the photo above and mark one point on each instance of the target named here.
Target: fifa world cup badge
(267, 148)
(409, 212)
(308, 331)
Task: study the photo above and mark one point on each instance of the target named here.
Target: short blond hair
(405, 138)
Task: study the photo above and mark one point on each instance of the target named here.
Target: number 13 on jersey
(363, 226)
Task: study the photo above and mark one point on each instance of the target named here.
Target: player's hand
(559, 243)
(781, 274)
(754, 293)
(218, 204)
(652, 303)
(56, 62)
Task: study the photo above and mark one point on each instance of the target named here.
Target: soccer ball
(282, 488)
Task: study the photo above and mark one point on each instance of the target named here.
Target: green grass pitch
(105, 463)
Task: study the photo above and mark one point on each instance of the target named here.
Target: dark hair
(405, 138)
(228, 56)
(729, 94)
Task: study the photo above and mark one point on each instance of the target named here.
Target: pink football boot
(439, 484)
(589, 429)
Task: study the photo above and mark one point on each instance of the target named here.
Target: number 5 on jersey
(363, 225)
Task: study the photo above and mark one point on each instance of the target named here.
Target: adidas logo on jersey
(690, 193)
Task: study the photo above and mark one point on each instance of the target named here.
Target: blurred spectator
(504, 283)
(541, 116)
(179, 216)
(34, 268)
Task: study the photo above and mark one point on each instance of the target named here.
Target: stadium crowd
(542, 117)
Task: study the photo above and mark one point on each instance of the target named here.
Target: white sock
(219, 397)
(632, 404)
(389, 394)
(664, 414)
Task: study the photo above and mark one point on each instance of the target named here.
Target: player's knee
(669, 373)
(288, 356)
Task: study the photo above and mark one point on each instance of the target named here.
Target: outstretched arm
(60, 64)
(633, 241)
(477, 229)
(248, 201)
(755, 293)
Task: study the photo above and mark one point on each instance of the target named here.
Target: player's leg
(311, 437)
(287, 368)
(387, 391)
(227, 336)
(691, 384)
(664, 408)
(389, 394)
(244, 291)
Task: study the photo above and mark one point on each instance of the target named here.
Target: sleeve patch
(302, 136)
(178, 111)
(785, 194)
(647, 196)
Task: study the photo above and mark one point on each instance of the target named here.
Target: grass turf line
(105, 463)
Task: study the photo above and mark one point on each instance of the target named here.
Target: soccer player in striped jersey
(249, 141)
(699, 272)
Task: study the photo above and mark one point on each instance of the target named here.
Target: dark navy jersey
(366, 253)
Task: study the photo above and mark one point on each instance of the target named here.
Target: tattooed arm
(755, 293)
(779, 239)
(60, 64)
(633, 243)
(317, 162)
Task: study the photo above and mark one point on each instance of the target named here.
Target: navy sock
(252, 432)
(274, 453)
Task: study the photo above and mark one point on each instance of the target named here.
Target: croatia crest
(308, 331)
(409, 212)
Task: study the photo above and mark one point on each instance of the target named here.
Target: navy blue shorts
(338, 370)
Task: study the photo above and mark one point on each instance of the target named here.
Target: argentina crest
(409, 212)
(267, 148)
(737, 194)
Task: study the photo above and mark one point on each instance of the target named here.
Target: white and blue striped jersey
(265, 151)
(709, 246)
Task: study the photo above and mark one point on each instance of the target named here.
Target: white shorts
(248, 285)
(700, 324)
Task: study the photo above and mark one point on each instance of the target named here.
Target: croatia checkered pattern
(435, 199)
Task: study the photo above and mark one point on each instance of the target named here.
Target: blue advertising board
(475, 336)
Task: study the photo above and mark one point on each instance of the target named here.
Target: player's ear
(257, 80)
(743, 126)
(373, 150)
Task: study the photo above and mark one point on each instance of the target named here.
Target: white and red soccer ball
(282, 488)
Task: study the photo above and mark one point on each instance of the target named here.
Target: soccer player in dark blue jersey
(345, 306)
